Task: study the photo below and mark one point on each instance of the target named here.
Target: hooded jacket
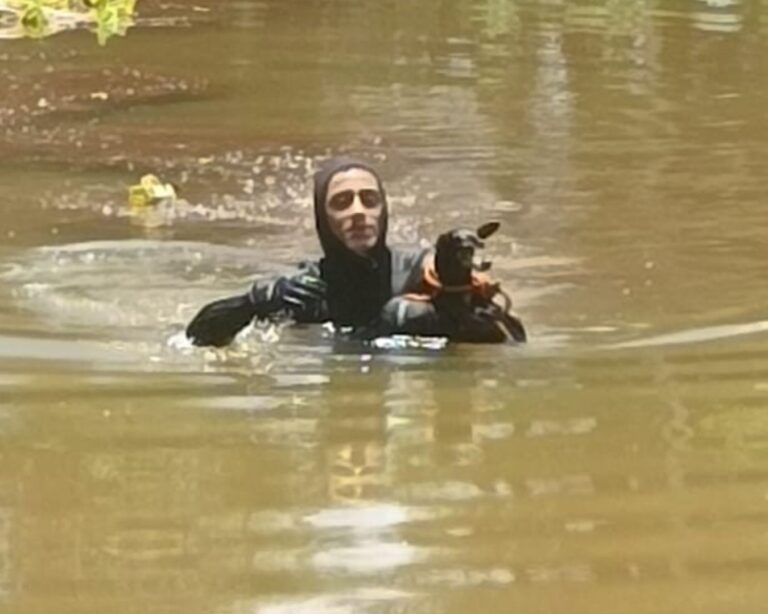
(357, 287)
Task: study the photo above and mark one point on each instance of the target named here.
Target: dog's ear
(486, 230)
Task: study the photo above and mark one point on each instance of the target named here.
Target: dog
(456, 271)
(454, 297)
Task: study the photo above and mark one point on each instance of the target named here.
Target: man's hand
(303, 295)
(217, 323)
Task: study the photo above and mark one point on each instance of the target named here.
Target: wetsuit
(343, 287)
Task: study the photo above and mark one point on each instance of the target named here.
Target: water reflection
(395, 475)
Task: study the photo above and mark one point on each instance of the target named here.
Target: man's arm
(301, 296)
(218, 322)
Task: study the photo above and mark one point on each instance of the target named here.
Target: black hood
(358, 286)
(329, 242)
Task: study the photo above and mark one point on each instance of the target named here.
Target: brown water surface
(618, 463)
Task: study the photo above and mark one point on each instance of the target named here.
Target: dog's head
(455, 253)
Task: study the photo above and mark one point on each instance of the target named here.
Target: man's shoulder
(407, 264)
(405, 257)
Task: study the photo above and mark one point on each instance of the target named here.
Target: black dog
(453, 299)
(455, 264)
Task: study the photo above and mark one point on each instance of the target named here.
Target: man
(348, 286)
(355, 279)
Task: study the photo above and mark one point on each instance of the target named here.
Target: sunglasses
(341, 200)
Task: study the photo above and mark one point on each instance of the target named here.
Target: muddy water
(617, 463)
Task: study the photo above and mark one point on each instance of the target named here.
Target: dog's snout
(481, 265)
(466, 256)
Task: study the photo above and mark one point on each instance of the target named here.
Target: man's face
(354, 206)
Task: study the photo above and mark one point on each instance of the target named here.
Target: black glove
(491, 324)
(302, 296)
(218, 322)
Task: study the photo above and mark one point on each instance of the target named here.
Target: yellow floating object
(150, 191)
